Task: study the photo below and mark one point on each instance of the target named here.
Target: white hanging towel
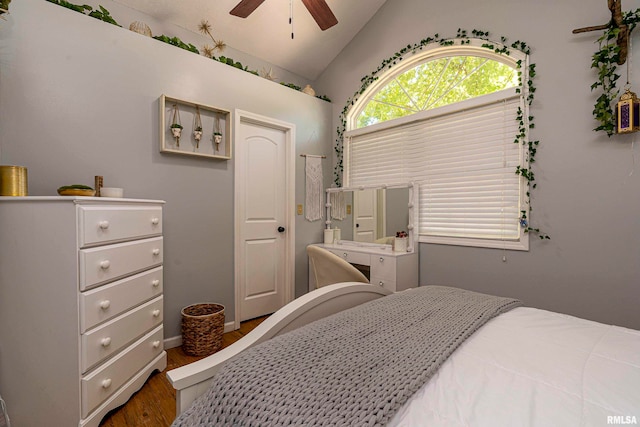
(314, 190)
(338, 207)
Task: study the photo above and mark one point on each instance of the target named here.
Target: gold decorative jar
(13, 181)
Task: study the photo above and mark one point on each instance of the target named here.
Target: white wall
(79, 98)
(587, 197)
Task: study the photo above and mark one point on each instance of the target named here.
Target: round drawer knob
(106, 383)
(105, 264)
(155, 221)
(381, 259)
(106, 342)
(344, 254)
(156, 252)
(381, 283)
(156, 344)
(155, 283)
(104, 225)
(156, 313)
(105, 304)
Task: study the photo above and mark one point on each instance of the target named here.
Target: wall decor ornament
(309, 90)
(628, 113)
(205, 28)
(614, 47)
(199, 120)
(140, 28)
(525, 76)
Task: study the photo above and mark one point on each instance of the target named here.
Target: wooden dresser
(395, 271)
(81, 305)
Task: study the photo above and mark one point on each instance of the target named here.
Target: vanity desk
(395, 271)
(377, 210)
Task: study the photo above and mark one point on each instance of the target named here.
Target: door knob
(281, 229)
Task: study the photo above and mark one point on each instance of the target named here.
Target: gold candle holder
(13, 181)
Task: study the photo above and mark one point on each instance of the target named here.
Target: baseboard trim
(176, 341)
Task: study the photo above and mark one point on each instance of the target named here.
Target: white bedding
(531, 367)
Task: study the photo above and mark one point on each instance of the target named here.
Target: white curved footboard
(192, 380)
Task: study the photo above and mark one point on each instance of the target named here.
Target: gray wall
(79, 97)
(587, 199)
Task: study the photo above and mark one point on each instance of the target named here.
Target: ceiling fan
(317, 8)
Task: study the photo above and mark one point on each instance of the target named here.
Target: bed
(518, 366)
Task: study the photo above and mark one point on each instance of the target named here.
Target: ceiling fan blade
(245, 8)
(320, 11)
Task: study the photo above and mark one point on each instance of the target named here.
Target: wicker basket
(202, 329)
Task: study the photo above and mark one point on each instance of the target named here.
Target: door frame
(242, 116)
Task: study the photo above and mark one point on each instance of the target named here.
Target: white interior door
(364, 215)
(264, 219)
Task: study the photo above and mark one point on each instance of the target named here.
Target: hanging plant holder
(176, 126)
(217, 135)
(197, 127)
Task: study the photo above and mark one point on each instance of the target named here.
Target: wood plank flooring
(154, 405)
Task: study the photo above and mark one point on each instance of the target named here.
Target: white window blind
(464, 163)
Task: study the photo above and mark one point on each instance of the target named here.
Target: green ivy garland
(101, 14)
(524, 123)
(605, 60)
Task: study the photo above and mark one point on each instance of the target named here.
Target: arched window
(446, 118)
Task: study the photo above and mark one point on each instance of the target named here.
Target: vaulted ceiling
(266, 33)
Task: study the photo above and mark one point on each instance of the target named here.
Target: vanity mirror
(372, 215)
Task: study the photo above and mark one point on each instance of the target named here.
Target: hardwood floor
(154, 405)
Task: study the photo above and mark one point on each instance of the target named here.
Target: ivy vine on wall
(606, 60)
(524, 123)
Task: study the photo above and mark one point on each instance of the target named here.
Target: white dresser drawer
(107, 263)
(102, 383)
(104, 224)
(352, 257)
(108, 301)
(105, 340)
(383, 267)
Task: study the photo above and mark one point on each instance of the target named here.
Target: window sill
(513, 245)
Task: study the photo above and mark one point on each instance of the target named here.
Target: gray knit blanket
(355, 368)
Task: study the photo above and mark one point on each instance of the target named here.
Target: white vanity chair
(395, 271)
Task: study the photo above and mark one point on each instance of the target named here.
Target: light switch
(299, 209)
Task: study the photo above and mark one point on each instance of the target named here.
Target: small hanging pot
(176, 131)
(217, 135)
(197, 126)
(217, 139)
(176, 127)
